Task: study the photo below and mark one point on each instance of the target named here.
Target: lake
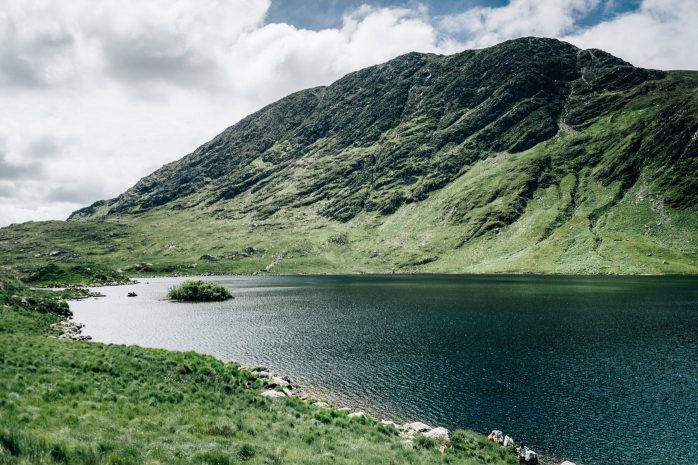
(597, 370)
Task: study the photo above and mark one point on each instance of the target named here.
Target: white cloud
(98, 94)
(487, 26)
(660, 34)
(663, 34)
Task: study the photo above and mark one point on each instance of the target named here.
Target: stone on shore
(417, 427)
(530, 457)
(71, 331)
(356, 415)
(496, 436)
(344, 409)
(438, 434)
(388, 423)
(272, 394)
(261, 374)
(508, 441)
(567, 462)
(322, 404)
(279, 381)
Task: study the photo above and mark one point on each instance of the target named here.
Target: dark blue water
(599, 370)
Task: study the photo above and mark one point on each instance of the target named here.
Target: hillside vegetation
(80, 403)
(529, 156)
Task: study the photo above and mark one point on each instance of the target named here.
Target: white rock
(279, 381)
(438, 434)
(497, 436)
(567, 462)
(509, 442)
(388, 423)
(417, 427)
(356, 415)
(288, 392)
(344, 409)
(261, 374)
(270, 393)
(322, 404)
(530, 456)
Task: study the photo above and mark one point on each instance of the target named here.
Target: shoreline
(316, 395)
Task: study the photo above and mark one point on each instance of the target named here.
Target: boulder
(261, 374)
(530, 457)
(356, 415)
(322, 404)
(567, 462)
(344, 409)
(279, 381)
(417, 427)
(388, 423)
(508, 441)
(438, 434)
(271, 394)
(496, 436)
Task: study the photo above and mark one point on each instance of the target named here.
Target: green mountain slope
(530, 156)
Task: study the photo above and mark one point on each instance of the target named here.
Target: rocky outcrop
(70, 331)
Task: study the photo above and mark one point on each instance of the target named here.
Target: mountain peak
(391, 134)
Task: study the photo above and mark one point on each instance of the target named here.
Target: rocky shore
(70, 330)
(277, 386)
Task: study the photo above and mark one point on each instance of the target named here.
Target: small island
(199, 291)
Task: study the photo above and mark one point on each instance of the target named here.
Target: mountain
(529, 156)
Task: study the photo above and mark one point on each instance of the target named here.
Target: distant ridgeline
(529, 156)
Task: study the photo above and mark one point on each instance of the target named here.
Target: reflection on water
(602, 370)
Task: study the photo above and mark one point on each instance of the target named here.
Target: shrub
(246, 452)
(424, 442)
(199, 291)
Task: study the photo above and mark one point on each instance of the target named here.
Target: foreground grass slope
(69, 402)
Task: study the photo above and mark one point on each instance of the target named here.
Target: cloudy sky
(96, 94)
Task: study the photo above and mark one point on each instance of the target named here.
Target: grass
(199, 291)
(70, 402)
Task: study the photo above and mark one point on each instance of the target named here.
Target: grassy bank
(69, 402)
